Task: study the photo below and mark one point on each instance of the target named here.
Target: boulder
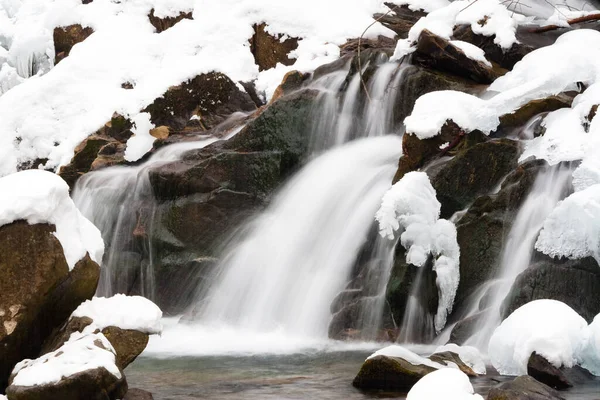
(465, 328)
(85, 155)
(448, 358)
(66, 37)
(37, 291)
(292, 81)
(400, 20)
(138, 394)
(523, 388)
(381, 43)
(438, 53)
(473, 172)
(161, 24)
(383, 373)
(541, 369)
(82, 369)
(269, 50)
(573, 282)
(520, 117)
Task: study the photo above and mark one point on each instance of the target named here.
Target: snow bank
(447, 384)
(499, 22)
(411, 207)
(544, 72)
(125, 312)
(468, 354)
(48, 114)
(77, 355)
(409, 356)
(42, 197)
(548, 327)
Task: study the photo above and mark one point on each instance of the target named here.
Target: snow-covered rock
(548, 327)
(468, 355)
(41, 197)
(411, 208)
(450, 384)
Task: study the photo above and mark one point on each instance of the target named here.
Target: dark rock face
(211, 97)
(438, 53)
(67, 37)
(347, 322)
(574, 282)
(269, 50)
(382, 373)
(464, 328)
(162, 24)
(541, 369)
(523, 388)
(37, 291)
(473, 172)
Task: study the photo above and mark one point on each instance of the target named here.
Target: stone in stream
(542, 370)
(138, 394)
(383, 373)
(523, 388)
(37, 290)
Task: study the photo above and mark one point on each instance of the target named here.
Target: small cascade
(418, 322)
(115, 199)
(284, 272)
(549, 188)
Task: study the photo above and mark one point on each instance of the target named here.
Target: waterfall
(284, 272)
(548, 189)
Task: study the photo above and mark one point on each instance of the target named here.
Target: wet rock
(138, 394)
(438, 53)
(464, 328)
(382, 373)
(269, 50)
(381, 43)
(523, 388)
(85, 154)
(400, 20)
(535, 107)
(292, 81)
(211, 98)
(349, 322)
(344, 298)
(161, 24)
(66, 37)
(473, 172)
(574, 282)
(448, 358)
(541, 369)
(37, 291)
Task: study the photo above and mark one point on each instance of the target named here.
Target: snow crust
(590, 358)
(471, 51)
(411, 209)
(407, 355)
(548, 327)
(38, 196)
(468, 354)
(79, 354)
(544, 72)
(125, 312)
(48, 110)
(447, 384)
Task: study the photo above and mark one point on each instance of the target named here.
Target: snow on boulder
(590, 358)
(125, 312)
(411, 208)
(39, 197)
(548, 327)
(81, 368)
(468, 355)
(447, 384)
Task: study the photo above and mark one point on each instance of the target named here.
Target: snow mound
(407, 355)
(548, 327)
(48, 110)
(125, 312)
(37, 197)
(544, 72)
(468, 354)
(411, 207)
(79, 354)
(447, 384)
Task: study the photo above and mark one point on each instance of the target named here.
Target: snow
(591, 353)
(411, 208)
(447, 384)
(544, 72)
(468, 354)
(141, 141)
(423, 5)
(471, 51)
(79, 354)
(42, 197)
(54, 110)
(499, 22)
(125, 312)
(408, 356)
(548, 327)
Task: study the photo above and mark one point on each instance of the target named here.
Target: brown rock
(162, 24)
(382, 373)
(160, 132)
(67, 37)
(541, 369)
(447, 357)
(37, 291)
(138, 394)
(128, 344)
(523, 388)
(519, 117)
(291, 81)
(400, 20)
(269, 50)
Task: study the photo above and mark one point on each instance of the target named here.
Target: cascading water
(549, 188)
(299, 253)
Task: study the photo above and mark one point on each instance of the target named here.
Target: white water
(548, 189)
(283, 275)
